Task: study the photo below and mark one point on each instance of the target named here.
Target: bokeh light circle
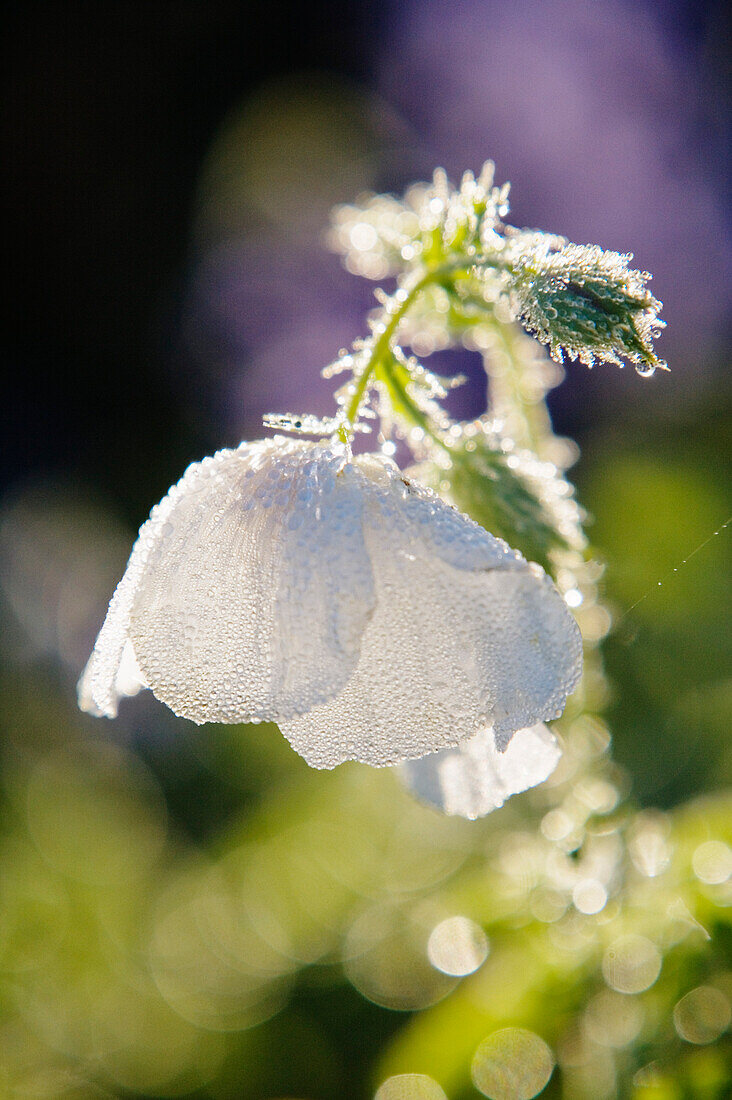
(712, 862)
(702, 1015)
(212, 975)
(631, 964)
(96, 813)
(612, 1020)
(512, 1064)
(410, 1086)
(457, 946)
(385, 958)
(589, 896)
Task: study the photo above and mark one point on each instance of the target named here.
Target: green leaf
(583, 301)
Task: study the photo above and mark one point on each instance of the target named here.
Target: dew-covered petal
(442, 531)
(465, 635)
(475, 778)
(128, 680)
(251, 584)
(112, 670)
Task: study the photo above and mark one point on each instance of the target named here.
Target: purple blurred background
(608, 119)
(171, 169)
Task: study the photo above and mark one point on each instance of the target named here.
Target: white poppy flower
(475, 778)
(285, 581)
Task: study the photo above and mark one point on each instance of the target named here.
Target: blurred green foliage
(657, 497)
(192, 911)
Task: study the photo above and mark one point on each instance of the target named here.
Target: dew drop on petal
(283, 581)
(464, 633)
(275, 590)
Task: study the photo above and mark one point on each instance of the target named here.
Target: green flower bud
(583, 301)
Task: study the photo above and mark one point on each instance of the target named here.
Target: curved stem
(380, 360)
(383, 343)
(408, 410)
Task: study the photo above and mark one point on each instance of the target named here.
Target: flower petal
(248, 590)
(475, 778)
(127, 680)
(465, 634)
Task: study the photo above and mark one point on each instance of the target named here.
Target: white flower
(285, 581)
(475, 778)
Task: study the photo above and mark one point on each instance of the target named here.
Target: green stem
(381, 361)
(380, 354)
(406, 408)
(383, 344)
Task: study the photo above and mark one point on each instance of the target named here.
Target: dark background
(109, 111)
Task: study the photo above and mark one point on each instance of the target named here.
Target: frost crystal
(383, 235)
(286, 581)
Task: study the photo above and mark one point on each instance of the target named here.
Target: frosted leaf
(284, 581)
(465, 634)
(583, 301)
(475, 778)
(508, 490)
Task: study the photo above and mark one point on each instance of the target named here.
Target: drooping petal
(475, 778)
(104, 680)
(465, 634)
(248, 589)
(128, 680)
